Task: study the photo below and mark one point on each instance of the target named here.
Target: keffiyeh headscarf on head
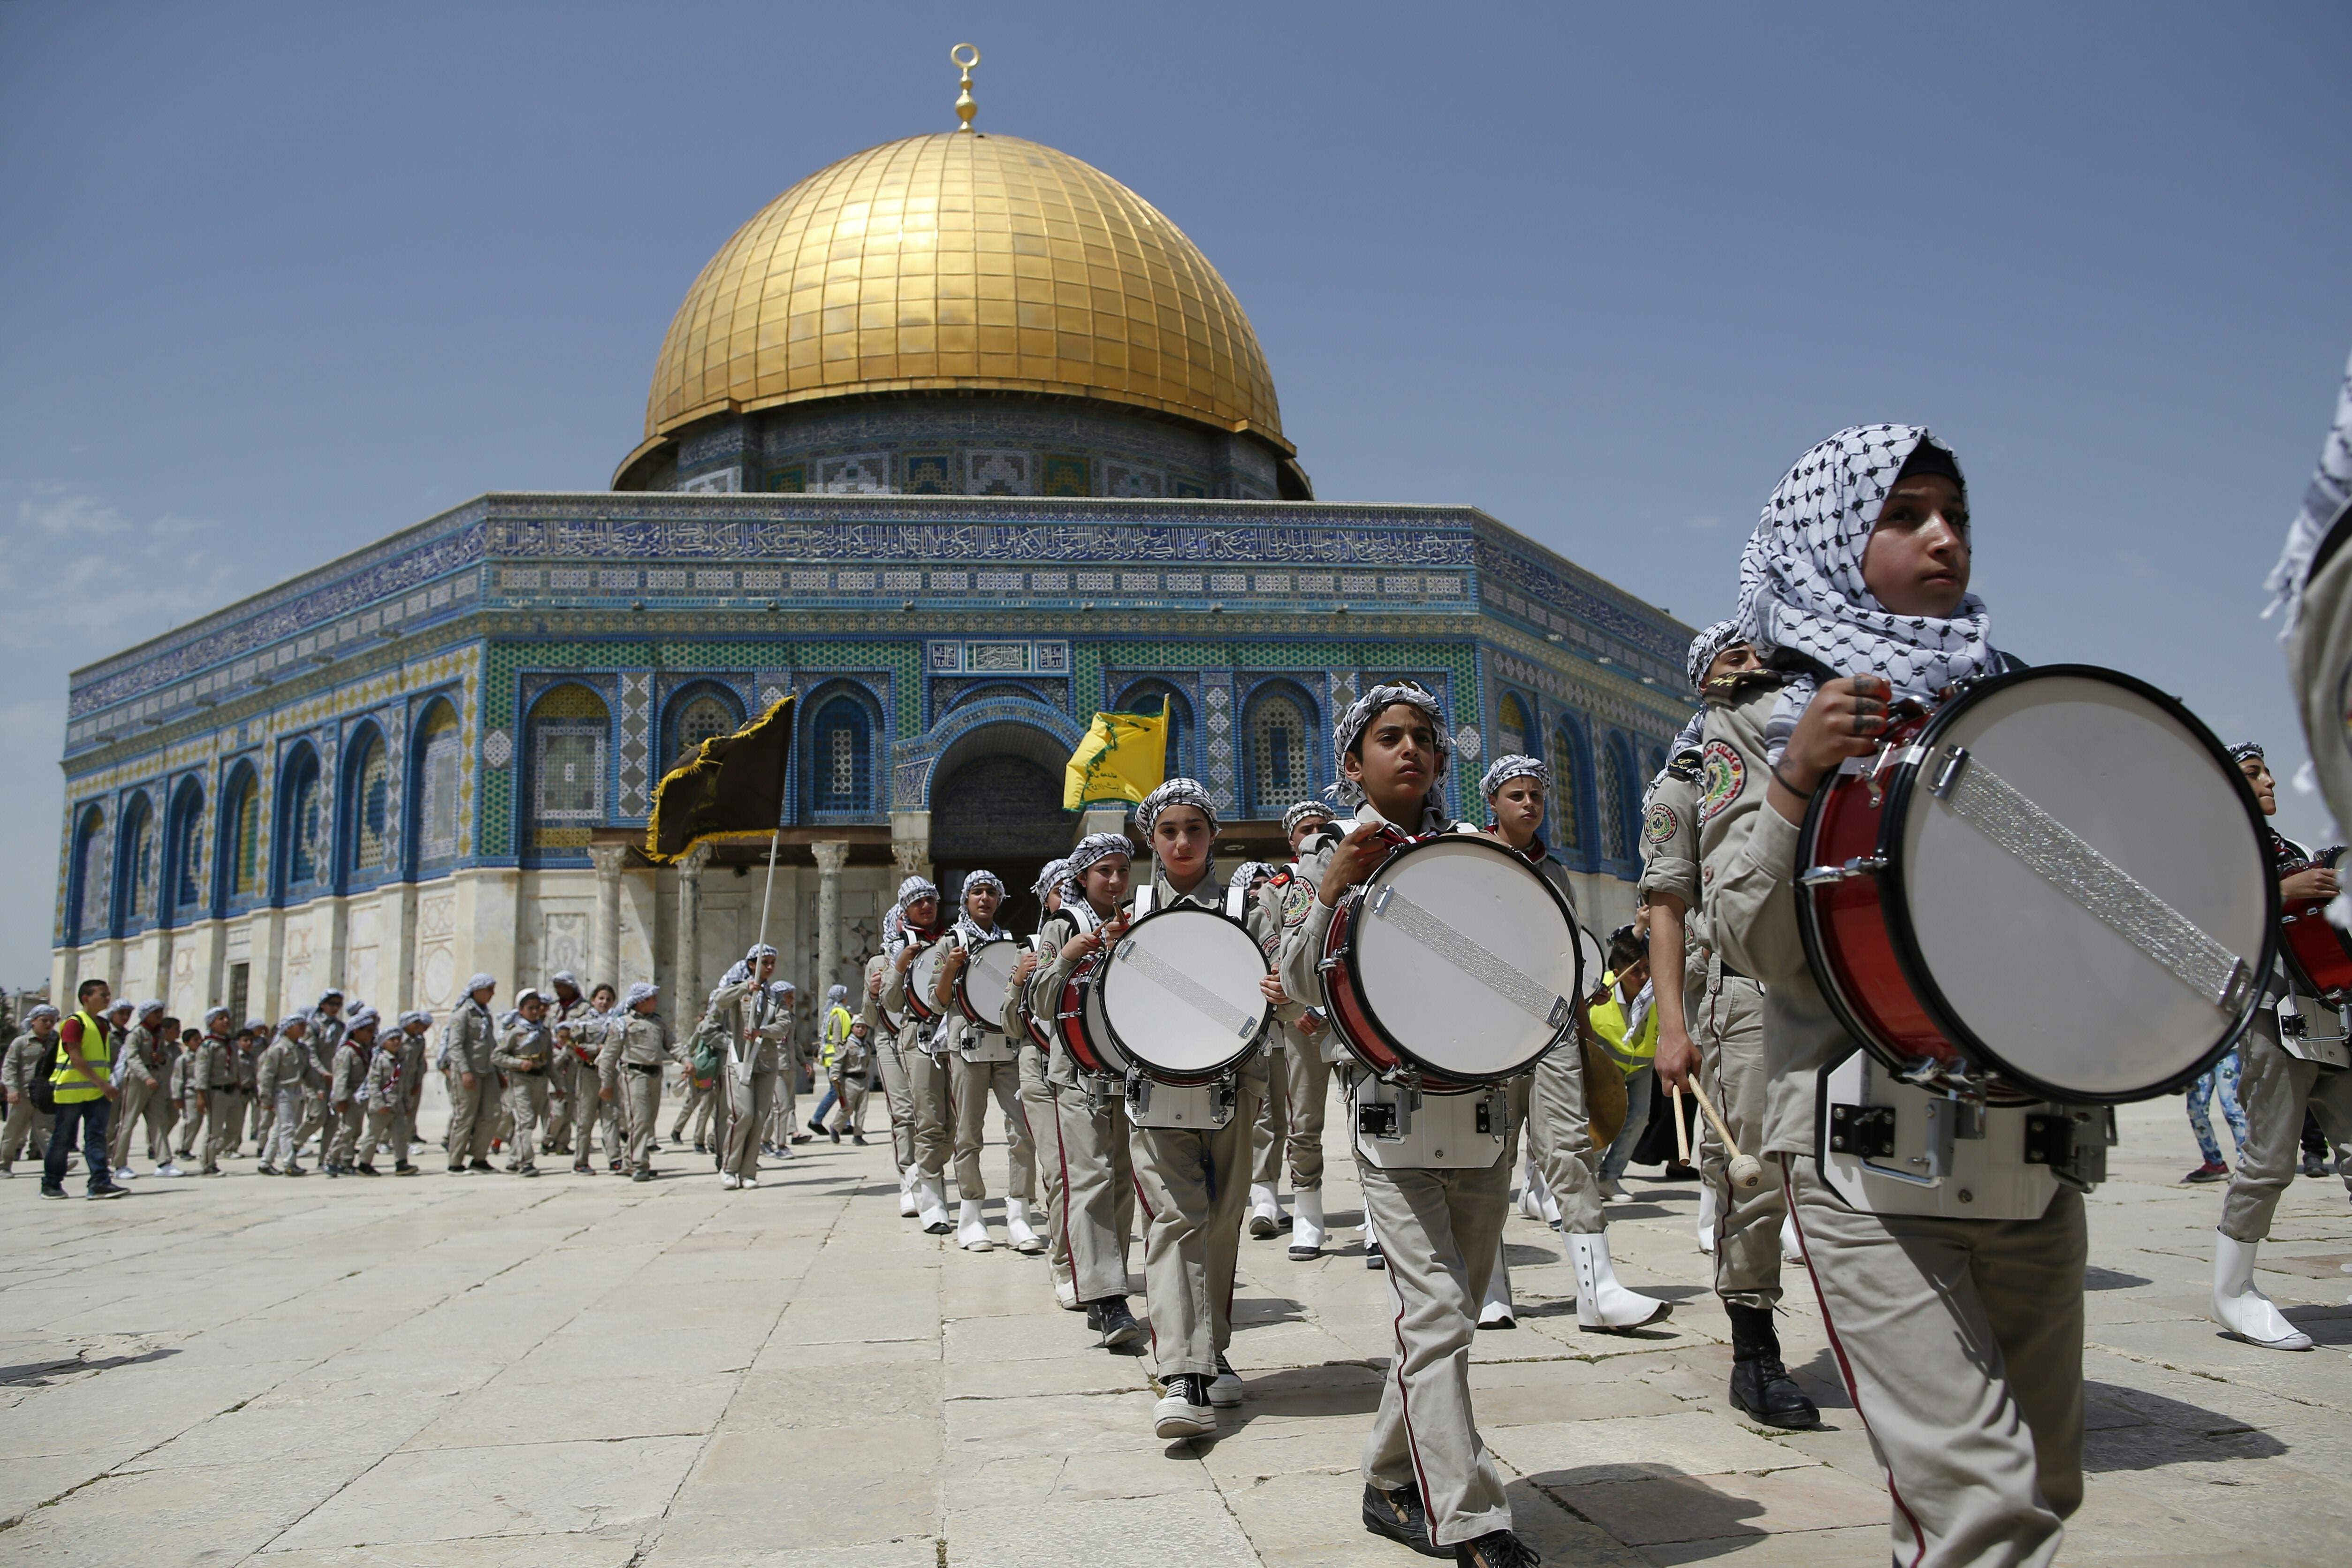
(1056, 873)
(1093, 847)
(481, 982)
(915, 889)
(837, 993)
(1706, 647)
(210, 1014)
(288, 1024)
(1515, 766)
(640, 990)
(1801, 578)
(1301, 811)
(1175, 792)
(740, 970)
(45, 1011)
(416, 1015)
(963, 910)
(1358, 717)
(2331, 487)
(1247, 872)
(360, 1018)
(2244, 748)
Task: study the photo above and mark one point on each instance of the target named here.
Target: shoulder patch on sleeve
(1726, 777)
(1663, 823)
(1684, 765)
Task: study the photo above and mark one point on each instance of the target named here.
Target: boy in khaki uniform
(29, 1052)
(911, 926)
(757, 1026)
(140, 1071)
(383, 1100)
(1037, 1091)
(345, 1111)
(1303, 1067)
(629, 1069)
(472, 1038)
(1960, 1340)
(986, 1065)
(525, 1051)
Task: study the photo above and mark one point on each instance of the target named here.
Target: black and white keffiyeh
(2331, 487)
(1515, 766)
(639, 991)
(971, 929)
(1175, 792)
(2244, 748)
(740, 970)
(1301, 811)
(1056, 873)
(1359, 715)
(1801, 587)
(1093, 847)
(1705, 646)
(915, 889)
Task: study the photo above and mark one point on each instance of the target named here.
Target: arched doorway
(999, 805)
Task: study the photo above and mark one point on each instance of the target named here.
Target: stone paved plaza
(587, 1372)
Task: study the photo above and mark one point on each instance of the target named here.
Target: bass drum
(1180, 995)
(1456, 960)
(922, 976)
(2055, 885)
(981, 985)
(1078, 1022)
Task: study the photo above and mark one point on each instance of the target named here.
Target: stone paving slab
(586, 1373)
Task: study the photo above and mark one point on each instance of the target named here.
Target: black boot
(1760, 1384)
(1117, 1324)
(1400, 1516)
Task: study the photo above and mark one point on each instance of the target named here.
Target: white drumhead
(1180, 991)
(1452, 1001)
(2046, 986)
(1097, 1031)
(924, 974)
(988, 975)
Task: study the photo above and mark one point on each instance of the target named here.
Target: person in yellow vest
(81, 1078)
(1627, 1026)
(845, 1061)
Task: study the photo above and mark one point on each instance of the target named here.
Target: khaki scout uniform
(278, 1075)
(324, 1036)
(898, 1092)
(630, 1064)
(142, 1068)
(186, 1087)
(1961, 1341)
(985, 1064)
(930, 1084)
(345, 1113)
(27, 1053)
(1299, 1069)
(382, 1098)
(412, 1094)
(524, 1055)
(1724, 1011)
(1043, 1113)
(756, 1026)
(220, 1083)
(564, 1079)
(577, 1037)
(1189, 1184)
(473, 1112)
(1092, 1150)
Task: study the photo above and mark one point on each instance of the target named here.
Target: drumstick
(1682, 1134)
(1745, 1171)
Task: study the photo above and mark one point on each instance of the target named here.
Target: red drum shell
(2318, 955)
(1070, 1020)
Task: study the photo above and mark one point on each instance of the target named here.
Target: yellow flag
(1123, 757)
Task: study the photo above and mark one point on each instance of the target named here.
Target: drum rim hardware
(1248, 1042)
(1978, 1071)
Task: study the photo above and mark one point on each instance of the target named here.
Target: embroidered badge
(1725, 777)
(1662, 825)
(1295, 901)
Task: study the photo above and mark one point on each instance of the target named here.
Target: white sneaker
(972, 1231)
(2239, 1304)
(1306, 1226)
(1226, 1388)
(753, 1180)
(169, 1169)
(1601, 1302)
(1264, 1210)
(1706, 1214)
(1791, 1250)
(1176, 1416)
(1017, 1228)
(727, 1179)
(125, 1174)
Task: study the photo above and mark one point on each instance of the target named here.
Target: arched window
(137, 843)
(703, 717)
(434, 790)
(1512, 726)
(301, 819)
(371, 806)
(183, 849)
(1275, 769)
(1152, 697)
(1619, 802)
(1566, 792)
(841, 759)
(568, 730)
(86, 878)
(240, 856)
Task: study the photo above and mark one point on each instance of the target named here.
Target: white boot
(1530, 1186)
(1066, 1295)
(1496, 1312)
(971, 1232)
(1706, 1214)
(1601, 1302)
(1548, 1200)
(2239, 1304)
(1307, 1225)
(1791, 1250)
(906, 1205)
(931, 1208)
(1264, 1210)
(1016, 1227)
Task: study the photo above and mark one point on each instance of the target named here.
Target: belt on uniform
(527, 1072)
(643, 1066)
(223, 1089)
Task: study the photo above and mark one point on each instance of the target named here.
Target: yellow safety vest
(1608, 1016)
(837, 1033)
(72, 1088)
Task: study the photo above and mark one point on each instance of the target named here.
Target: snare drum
(1079, 1023)
(2054, 886)
(1179, 994)
(2318, 957)
(921, 975)
(1456, 960)
(985, 978)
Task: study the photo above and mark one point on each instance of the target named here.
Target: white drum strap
(2060, 856)
(1186, 989)
(1514, 985)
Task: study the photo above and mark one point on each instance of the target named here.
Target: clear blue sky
(280, 279)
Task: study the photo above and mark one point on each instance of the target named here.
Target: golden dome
(961, 262)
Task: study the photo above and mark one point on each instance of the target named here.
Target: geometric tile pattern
(635, 749)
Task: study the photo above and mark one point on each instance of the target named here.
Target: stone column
(829, 859)
(605, 929)
(687, 970)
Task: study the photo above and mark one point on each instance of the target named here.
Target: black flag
(735, 785)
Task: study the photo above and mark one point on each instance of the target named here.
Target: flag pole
(768, 894)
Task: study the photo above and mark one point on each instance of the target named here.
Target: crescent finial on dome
(964, 106)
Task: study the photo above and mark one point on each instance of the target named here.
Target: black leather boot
(1760, 1384)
